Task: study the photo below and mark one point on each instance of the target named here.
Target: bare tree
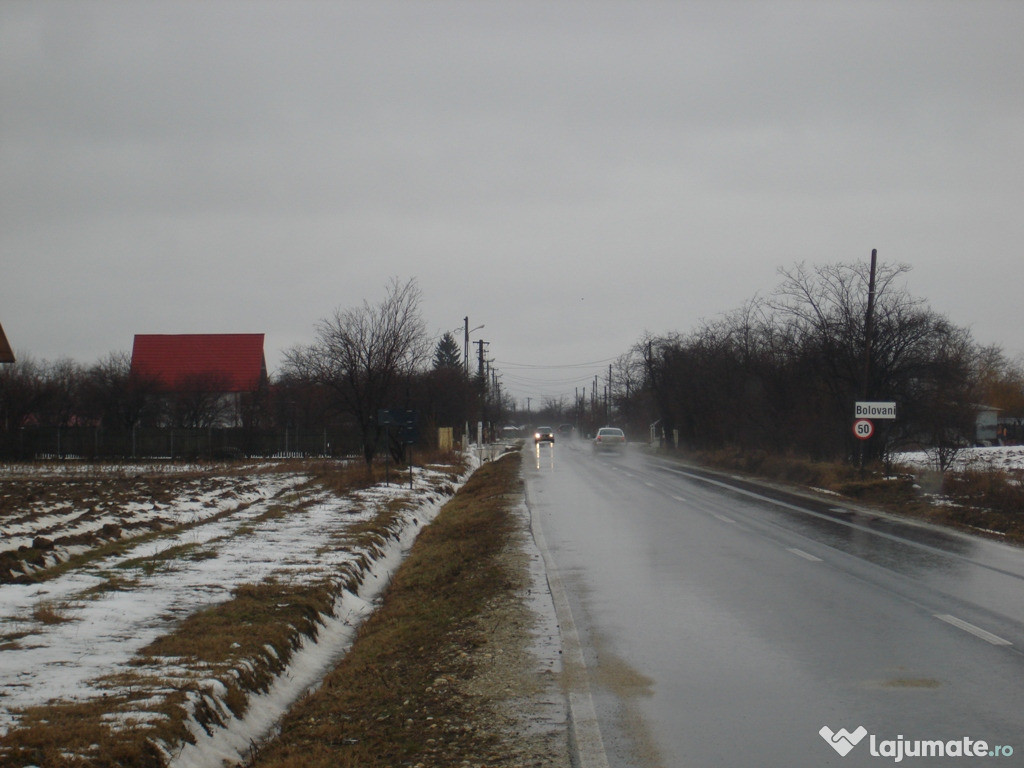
(445, 396)
(783, 373)
(22, 392)
(1001, 385)
(62, 387)
(362, 355)
(116, 398)
(200, 401)
(917, 357)
(554, 408)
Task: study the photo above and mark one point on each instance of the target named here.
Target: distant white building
(986, 426)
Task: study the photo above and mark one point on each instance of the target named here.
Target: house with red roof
(6, 353)
(207, 379)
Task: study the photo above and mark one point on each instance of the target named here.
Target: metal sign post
(865, 414)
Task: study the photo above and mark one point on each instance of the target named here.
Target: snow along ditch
(99, 634)
(308, 665)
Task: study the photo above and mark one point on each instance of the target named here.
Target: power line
(531, 380)
(506, 364)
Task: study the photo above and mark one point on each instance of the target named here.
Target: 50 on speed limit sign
(863, 428)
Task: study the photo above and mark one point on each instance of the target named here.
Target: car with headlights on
(544, 435)
(610, 439)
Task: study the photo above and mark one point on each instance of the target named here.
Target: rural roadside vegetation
(404, 692)
(770, 389)
(983, 501)
(779, 375)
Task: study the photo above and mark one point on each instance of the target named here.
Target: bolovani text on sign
(883, 410)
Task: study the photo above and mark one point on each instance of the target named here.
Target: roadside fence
(40, 443)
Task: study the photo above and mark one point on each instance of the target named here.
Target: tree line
(779, 374)
(361, 361)
(782, 372)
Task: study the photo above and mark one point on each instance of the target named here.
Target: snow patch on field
(95, 629)
(1006, 458)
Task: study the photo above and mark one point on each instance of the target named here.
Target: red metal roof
(233, 360)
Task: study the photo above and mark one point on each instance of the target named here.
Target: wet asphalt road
(722, 627)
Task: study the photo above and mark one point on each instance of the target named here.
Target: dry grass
(242, 643)
(983, 501)
(988, 501)
(344, 477)
(78, 735)
(997, 490)
(258, 618)
(787, 468)
(389, 702)
(49, 614)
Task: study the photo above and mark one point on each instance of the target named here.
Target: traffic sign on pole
(863, 428)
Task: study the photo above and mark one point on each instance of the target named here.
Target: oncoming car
(610, 439)
(544, 435)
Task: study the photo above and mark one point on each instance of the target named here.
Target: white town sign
(884, 410)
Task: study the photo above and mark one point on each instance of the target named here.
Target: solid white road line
(804, 555)
(988, 637)
(586, 731)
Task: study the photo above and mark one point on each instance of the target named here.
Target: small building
(986, 426)
(217, 375)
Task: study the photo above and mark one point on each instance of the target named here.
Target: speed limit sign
(863, 428)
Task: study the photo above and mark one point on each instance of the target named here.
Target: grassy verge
(393, 699)
(990, 502)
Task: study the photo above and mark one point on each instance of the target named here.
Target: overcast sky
(571, 175)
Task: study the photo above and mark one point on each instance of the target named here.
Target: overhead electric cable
(505, 363)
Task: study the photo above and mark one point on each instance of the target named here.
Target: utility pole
(482, 378)
(480, 361)
(608, 402)
(465, 343)
(869, 322)
(584, 421)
